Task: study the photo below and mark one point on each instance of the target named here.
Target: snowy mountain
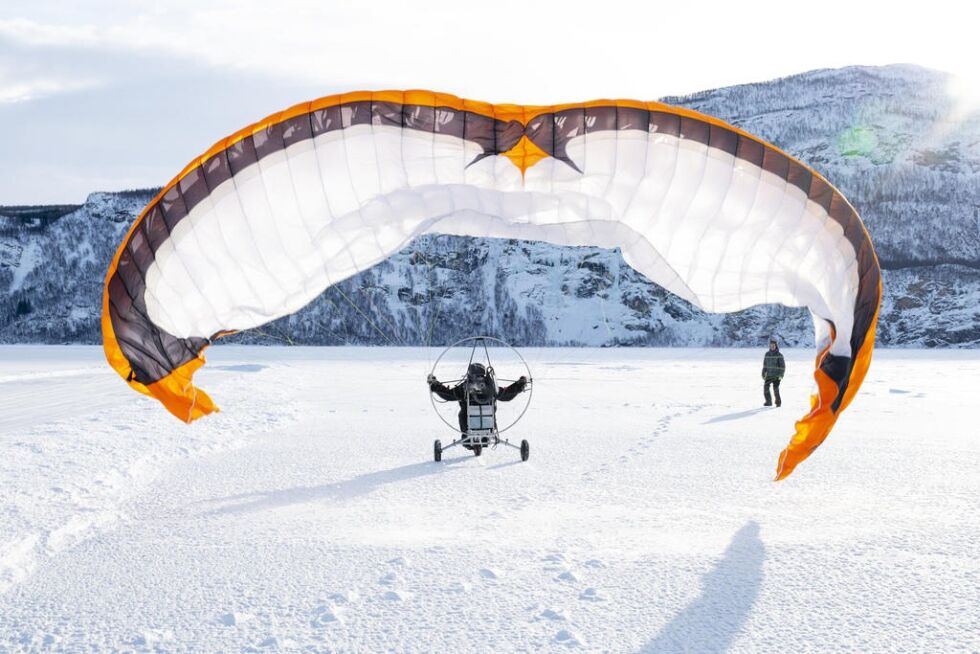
(889, 138)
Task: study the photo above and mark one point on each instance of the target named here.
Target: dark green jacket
(773, 366)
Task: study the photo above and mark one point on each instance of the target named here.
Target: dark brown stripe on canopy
(153, 353)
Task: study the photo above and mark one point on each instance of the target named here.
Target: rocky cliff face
(891, 139)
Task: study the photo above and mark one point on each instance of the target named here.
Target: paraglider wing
(271, 216)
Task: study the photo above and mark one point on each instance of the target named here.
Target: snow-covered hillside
(308, 516)
(891, 138)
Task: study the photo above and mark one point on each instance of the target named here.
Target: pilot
(479, 387)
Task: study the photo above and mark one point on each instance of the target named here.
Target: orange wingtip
(814, 428)
(176, 391)
(811, 431)
(178, 394)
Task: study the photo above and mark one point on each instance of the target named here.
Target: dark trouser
(775, 387)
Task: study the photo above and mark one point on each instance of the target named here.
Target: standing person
(773, 369)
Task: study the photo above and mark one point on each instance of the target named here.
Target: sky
(106, 95)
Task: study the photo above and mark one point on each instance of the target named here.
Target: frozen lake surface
(309, 516)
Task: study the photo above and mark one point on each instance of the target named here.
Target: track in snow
(308, 514)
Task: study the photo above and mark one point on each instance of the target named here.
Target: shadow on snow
(712, 621)
(242, 367)
(734, 416)
(342, 490)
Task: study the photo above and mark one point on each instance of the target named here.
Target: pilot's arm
(510, 392)
(443, 391)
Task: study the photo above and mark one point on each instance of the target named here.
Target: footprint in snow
(399, 560)
(591, 595)
(349, 597)
(567, 576)
(325, 615)
(396, 595)
(594, 563)
(234, 618)
(460, 587)
(554, 557)
(152, 637)
(487, 573)
(389, 579)
(556, 615)
(567, 638)
(277, 644)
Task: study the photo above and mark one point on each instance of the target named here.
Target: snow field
(309, 516)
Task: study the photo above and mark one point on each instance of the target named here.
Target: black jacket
(458, 393)
(773, 365)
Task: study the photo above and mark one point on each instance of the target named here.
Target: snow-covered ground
(309, 516)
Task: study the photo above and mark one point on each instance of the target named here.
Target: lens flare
(964, 91)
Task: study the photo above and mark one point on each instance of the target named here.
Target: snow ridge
(115, 450)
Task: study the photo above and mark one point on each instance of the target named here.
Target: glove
(431, 379)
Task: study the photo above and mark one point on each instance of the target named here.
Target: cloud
(29, 32)
(89, 119)
(31, 89)
(131, 90)
(30, 71)
(546, 51)
(552, 52)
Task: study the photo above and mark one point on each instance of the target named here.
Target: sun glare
(964, 90)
